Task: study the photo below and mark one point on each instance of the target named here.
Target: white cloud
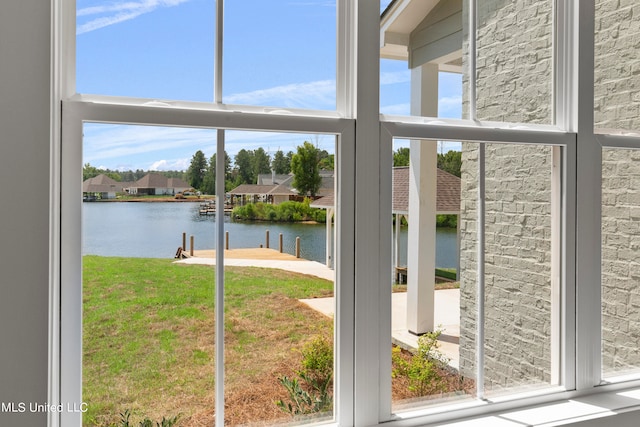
(120, 141)
(393, 77)
(165, 165)
(316, 95)
(119, 12)
(450, 106)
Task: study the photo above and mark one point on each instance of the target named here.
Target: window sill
(585, 411)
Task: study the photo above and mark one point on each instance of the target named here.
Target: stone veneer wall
(617, 106)
(514, 84)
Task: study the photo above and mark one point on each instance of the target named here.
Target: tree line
(89, 171)
(450, 161)
(305, 164)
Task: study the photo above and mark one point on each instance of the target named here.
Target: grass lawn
(148, 339)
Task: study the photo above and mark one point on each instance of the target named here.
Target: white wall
(24, 236)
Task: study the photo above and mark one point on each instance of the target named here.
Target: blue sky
(278, 53)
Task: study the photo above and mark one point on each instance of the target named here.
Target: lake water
(154, 230)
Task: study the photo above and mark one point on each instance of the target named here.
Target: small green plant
(312, 392)
(124, 418)
(423, 370)
(146, 422)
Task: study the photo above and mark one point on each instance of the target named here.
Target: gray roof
(447, 191)
(252, 189)
(152, 180)
(447, 198)
(101, 184)
(177, 183)
(270, 179)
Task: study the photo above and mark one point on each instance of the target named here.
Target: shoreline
(150, 200)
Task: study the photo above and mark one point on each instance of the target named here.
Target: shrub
(423, 370)
(312, 392)
(289, 211)
(447, 221)
(146, 422)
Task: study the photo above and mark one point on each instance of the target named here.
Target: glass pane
(279, 284)
(620, 269)
(146, 49)
(514, 61)
(520, 337)
(616, 57)
(426, 307)
(280, 53)
(148, 331)
(421, 47)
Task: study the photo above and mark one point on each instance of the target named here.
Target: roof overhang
(402, 17)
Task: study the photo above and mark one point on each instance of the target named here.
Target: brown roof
(177, 183)
(324, 202)
(151, 180)
(101, 184)
(252, 189)
(448, 193)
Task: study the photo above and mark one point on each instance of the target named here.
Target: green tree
(325, 160)
(210, 176)
(128, 176)
(401, 157)
(451, 162)
(209, 180)
(304, 166)
(261, 162)
(197, 169)
(280, 163)
(89, 171)
(244, 166)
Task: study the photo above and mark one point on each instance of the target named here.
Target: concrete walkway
(447, 302)
(311, 268)
(447, 318)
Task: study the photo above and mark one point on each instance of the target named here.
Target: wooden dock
(248, 253)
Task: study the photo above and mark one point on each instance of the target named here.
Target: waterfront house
(154, 184)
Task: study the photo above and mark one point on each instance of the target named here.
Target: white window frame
(363, 330)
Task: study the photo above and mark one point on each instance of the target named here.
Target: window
(544, 295)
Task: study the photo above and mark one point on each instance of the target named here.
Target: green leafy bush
(312, 392)
(289, 211)
(447, 221)
(423, 370)
(146, 422)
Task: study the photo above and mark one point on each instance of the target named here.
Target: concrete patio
(447, 318)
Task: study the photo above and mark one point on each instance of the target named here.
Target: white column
(396, 246)
(421, 252)
(329, 237)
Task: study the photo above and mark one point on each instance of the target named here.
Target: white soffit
(398, 22)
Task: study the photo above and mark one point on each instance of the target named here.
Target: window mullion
(480, 300)
(219, 281)
(370, 217)
(473, 25)
(589, 206)
(219, 39)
